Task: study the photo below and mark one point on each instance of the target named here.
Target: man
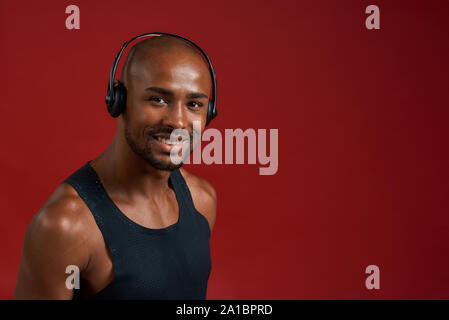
(132, 222)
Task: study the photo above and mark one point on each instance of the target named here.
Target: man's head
(168, 85)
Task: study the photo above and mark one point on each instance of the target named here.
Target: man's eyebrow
(197, 95)
(160, 90)
(193, 95)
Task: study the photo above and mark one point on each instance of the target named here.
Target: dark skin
(64, 231)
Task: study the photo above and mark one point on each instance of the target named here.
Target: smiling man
(133, 223)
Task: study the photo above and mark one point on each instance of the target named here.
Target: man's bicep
(52, 246)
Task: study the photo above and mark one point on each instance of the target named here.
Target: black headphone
(116, 96)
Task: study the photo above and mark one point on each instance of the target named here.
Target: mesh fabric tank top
(169, 263)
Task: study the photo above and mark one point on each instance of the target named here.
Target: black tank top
(171, 263)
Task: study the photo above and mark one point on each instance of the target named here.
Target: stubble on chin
(147, 154)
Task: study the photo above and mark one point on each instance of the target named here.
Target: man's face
(165, 92)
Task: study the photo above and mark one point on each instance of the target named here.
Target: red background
(363, 135)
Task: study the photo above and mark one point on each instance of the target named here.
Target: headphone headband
(115, 99)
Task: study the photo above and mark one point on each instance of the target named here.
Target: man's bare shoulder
(58, 236)
(200, 185)
(203, 194)
(62, 223)
(63, 210)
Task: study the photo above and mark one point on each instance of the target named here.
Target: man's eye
(157, 99)
(195, 104)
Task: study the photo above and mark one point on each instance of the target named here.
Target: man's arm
(55, 239)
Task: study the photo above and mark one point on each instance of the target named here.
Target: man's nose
(176, 116)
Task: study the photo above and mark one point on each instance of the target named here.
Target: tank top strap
(180, 186)
(192, 214)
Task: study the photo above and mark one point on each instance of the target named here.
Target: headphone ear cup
(118, 103)
(214, 112)
(211, 112)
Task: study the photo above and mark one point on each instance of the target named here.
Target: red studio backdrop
(363, 135)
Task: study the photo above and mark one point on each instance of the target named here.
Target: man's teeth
(168, 141)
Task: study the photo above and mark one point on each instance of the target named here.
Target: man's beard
(147, 154)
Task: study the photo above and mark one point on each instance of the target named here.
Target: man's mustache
(166, 130)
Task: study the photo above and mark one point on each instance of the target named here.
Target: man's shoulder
(57, 237)
(64, 205)
(63, 218)
(199, 184)
(203, 194)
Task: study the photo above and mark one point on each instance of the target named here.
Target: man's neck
(122, 170)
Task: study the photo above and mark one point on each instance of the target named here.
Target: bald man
(134, 224)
